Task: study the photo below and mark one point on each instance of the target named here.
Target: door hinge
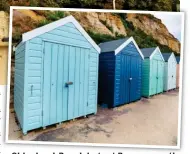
(42, 113)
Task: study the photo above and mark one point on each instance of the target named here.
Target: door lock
(130, 79)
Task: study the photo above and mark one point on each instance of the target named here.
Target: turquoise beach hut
(56, 75)
(152, 72)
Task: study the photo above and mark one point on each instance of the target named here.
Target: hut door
(154, 77)
(159, 77)
(129, 78)
(125, 75)
(77, 82)
(65, 82)
(134, 78)
(170, 73)
(173, 75)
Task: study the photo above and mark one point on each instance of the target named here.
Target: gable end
(70, 19)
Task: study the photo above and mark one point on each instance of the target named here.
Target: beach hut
(56, 75)
(177, 71)
(152, 72)
(120, 69)
(3, 62)
(169, 71)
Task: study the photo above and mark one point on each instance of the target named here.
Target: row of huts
(126, 73)
(61, 74)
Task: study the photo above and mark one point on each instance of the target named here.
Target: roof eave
(157, 48)
(172, 54)
(122, 46)
(41, 30)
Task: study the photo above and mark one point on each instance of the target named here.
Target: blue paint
(43, 66)
(115, 71)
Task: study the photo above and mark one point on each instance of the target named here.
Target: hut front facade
(169, 71)
(56, 75)
(152, 72)
(120, 69)
(177, 71)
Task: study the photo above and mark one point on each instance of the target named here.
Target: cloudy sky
(173, 22)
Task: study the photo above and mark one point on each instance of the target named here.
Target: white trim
(159, 53)
(41, 30)
(16, 46)
(169, 57)
(172, 54)
(121, 47)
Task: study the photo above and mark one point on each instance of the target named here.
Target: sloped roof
(166, 56)
(70, 19)
(118, 45)
(178, 59)
(147, 52)
(111, 45)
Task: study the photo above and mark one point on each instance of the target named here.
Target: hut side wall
(106, 78)
(146, 78)
(93, 82)
(166, 76)
(19, 82)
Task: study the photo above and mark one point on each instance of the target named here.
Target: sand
(151, 121)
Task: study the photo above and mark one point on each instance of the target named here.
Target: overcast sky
(173, 22)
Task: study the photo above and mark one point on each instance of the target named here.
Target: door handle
(130, 79)
(68, 83)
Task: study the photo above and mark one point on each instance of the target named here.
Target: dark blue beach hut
(120, 67)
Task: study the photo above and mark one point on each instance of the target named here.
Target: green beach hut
(152, 72)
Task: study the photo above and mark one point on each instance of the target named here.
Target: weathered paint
(153, 75)
(120, 76)
(3, 63)
(170, 73)
(44, 65)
